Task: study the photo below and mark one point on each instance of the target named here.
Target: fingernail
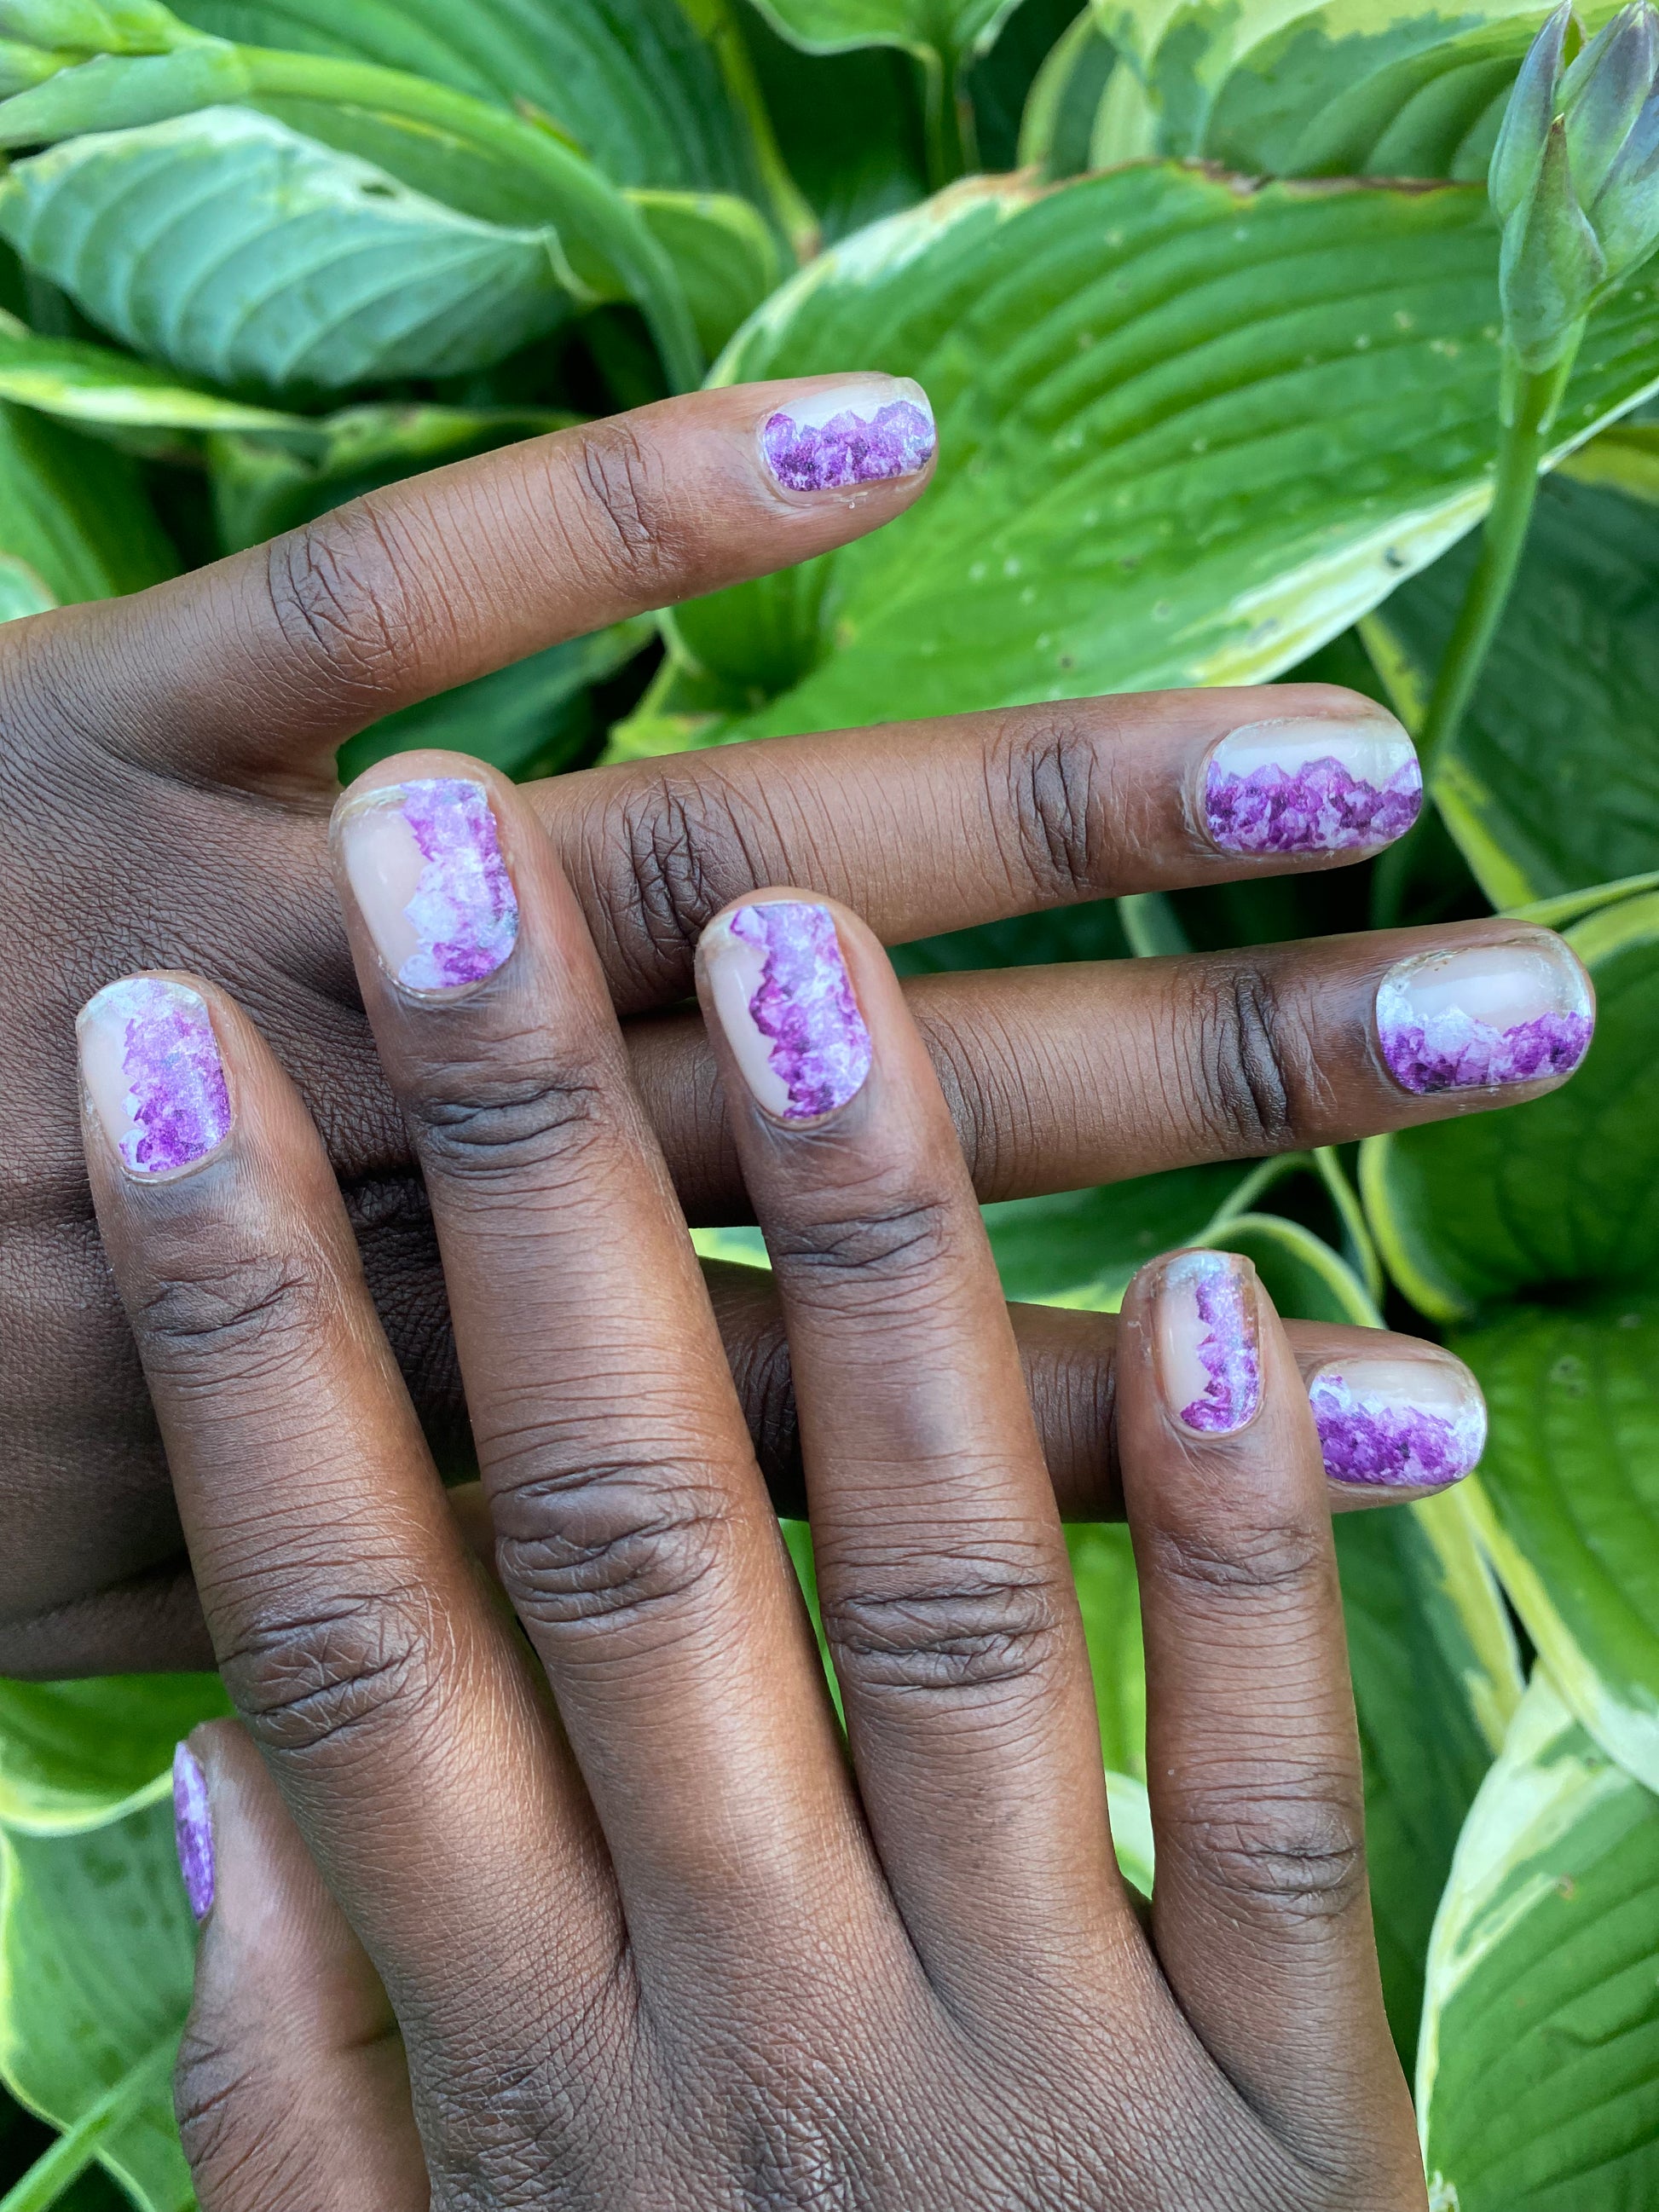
(1398, 1423)
(1208, 1356)
(192, 1830)
(867, 430)
(1312, 786)
(785, 1002)
(424, 862)
(150, 1064)
(1489, 1015)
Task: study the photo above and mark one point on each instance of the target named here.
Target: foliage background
(262, 254)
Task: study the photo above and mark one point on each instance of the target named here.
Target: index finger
(267, 661)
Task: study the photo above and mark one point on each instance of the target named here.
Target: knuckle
(620, 1543)
(233, 1308)
(627, 508)
(305, 1681)
(1253, 1065)
(471, 1123)
(1049, 800)
(679, 850)
(339, 603)
(886, 1247)
(980, 1629)
(1287, 1560)
(216, 2101)
(1293, 1855)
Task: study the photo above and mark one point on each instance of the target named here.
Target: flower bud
(1625, 213)
(1533, 107)
(1551, 264)
(1602, 92)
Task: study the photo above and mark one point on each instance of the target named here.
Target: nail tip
(173, 1105)
(1370, 1440)
(847, 445)
(193, 1828)
(1282, 790)
(816, 1043)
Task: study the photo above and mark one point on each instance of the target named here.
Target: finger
(922, 827)
(266, 661)
(1398, 1418)
(351, 1628)
(291, 2086)
(1261, 1915)
(943, 1581)
(633, 1531)
(1062, 1078)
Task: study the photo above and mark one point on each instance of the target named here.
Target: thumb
(291, 2087)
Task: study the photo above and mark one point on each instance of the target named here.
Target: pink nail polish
(785, 1003)
(868, 430)
(424, 861)
(192, 1830)
(1209, 1358)
(150, 1063)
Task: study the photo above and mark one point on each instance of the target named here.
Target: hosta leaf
(1553, 780)
(1567, 1501)
(1108, 1597)
(1080, 1247)
(97, 1951)
(74, 521)
(628, 80)
(1538, 2077)
(83, 383)
(22, 591)
(75, 1753)
(1301, 1274)
(261, 485)
(1565, 1189)
(234, 249)
(1296, 89)
(947, 28)
(722, 252)
(1188, 431)
(852, 124)
(1057, 129)
(1436, 1679)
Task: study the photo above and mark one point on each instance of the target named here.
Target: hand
(168, 771)
(669, 1949)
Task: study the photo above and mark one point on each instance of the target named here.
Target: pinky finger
(291, 2087)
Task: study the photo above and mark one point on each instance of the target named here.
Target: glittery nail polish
(785, 1003)
(150, 1063)
(1398, 1423)
(192, 1830)
(1209, 1358)
(1486, 1016)
(867, 430)
(424, 861)
(1312, 786)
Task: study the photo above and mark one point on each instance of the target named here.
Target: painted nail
(424, 861)
(150, 1063)
(785, 1001)
(192, 1830)
(1489, 1015)
(1208, 1356)
(1311, 786)
(866, 431)
(1398, 1423)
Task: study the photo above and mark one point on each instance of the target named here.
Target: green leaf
(1538, 2078)
(1080, 1247)
(852, 124)
(1552, 783)
(1567, 1498)
(628, 81)
(1351, 88)
(22, 591)
(82, 383)
(946, 29)
(227, 245)
(529, 719)
(722, 252)
(1563, 1190)
(1188, 431)
(1057, 129)
(74, 521)
(261, 485)
(75, 1755)
(1108, 1596)
(98, 1950)
(1303, 1276)
(1435, 1680)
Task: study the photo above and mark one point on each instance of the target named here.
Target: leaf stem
(76, 2148)
(947, 154)
(1526, 412)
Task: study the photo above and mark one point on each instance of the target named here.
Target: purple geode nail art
(1309, 788)
(829, 440)
(1492, 1015)
(465, 913)
(192, 1830)
(1212, 1322)
(802, 1006)
(1392, 1436)
(158, 1081)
